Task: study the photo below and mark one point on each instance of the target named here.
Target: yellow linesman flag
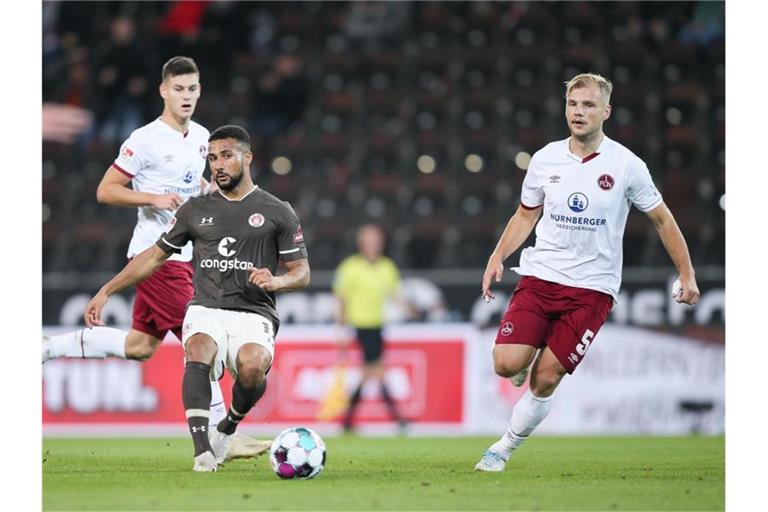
(335, 401)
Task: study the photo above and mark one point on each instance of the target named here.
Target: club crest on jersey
(203, 151)
(127, 152)
(188, 176)
(256, 220)
(605, 182)
(298, 237)
(507, 328)
(578, 202)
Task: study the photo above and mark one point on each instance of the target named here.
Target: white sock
(93, 343)
(218, 409)
(529, 411)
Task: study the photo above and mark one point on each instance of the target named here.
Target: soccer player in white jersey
(579, 190)
(164, 163)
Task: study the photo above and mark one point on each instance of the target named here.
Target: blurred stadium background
(420, 116)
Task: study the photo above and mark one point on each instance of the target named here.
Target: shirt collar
(600, 149)
(169, 128)
(255, 187)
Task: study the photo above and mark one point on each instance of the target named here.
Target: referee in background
(362, 284)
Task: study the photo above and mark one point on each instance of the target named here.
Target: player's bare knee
(544, 383)
(252, 364)
(140, 352)
(506, 367)
(201, 349)
(140, 346)
(251, 371)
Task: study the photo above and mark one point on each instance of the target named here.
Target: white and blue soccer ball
(297, 452)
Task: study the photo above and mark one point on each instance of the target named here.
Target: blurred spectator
(121, 80)
(372, 22)
(280, 98)
(706, 26)
(183, 18)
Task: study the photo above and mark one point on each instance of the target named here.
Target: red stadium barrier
(112, 395)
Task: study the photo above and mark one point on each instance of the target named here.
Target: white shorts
(230, 330)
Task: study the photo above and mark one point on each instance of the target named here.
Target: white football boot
(220, 443)
(205, 463)
(491, 461)
(244, 447)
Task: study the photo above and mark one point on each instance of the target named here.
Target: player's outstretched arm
(113, 189)
(296, 277)
(674, 243)
(138, 269)
(518, 228)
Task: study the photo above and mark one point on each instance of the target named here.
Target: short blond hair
(587, 79)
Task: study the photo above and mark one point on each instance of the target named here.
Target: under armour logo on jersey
(197, 429)
(206, 221)
(554, 179)
(223, 250)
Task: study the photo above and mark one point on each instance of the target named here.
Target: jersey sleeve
(640, 188)
(532, 194)
(133, 156)
(290, 239)
(177, 232)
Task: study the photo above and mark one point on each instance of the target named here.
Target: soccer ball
(297, 453)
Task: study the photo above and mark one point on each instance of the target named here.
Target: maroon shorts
(161, 300)
(564, 318)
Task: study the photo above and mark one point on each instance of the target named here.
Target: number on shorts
(586, 340)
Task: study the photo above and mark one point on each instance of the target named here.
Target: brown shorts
(162, 298)
(564, 318)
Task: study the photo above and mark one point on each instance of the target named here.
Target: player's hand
(263, 278)
(167, 201)
(689, 291)
(493, 271)
(92, 314)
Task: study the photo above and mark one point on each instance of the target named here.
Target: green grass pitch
(547, 473)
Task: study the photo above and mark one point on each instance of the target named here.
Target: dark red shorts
(162, 298)
(564, 318)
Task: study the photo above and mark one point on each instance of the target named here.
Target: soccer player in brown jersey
(149, 173)
(238, 234)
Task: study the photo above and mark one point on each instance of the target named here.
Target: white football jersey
(161, 160)
(586, 203)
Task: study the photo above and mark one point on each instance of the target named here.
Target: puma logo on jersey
(206, 221)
